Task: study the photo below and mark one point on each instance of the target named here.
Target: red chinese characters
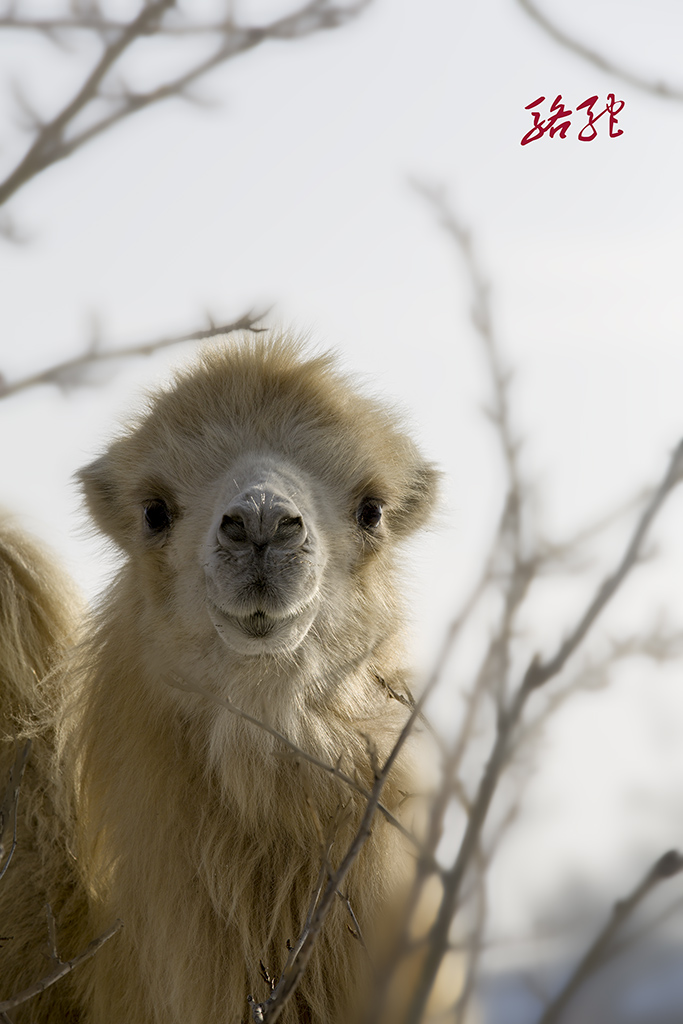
(557, 111)
(613, 108)
(559, 120)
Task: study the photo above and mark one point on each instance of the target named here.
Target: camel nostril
(233, 528)
(289, 528)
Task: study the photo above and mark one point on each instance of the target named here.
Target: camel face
(260, 502)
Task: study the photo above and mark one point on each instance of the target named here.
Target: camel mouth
(260, 630)
(258, 624)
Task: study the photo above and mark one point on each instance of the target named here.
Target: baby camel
(259, 503)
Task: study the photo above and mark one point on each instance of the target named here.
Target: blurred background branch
(57, 136)
(612, 68)
(72, 373)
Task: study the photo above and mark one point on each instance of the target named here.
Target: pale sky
(293, 190)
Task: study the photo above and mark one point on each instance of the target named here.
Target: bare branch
(539, 673)
(354, 927)
(53, 141)
(638, 935)
(70, 372)
(522, 558)
(660, 89)
(294, 950)
(668, 865)
(475, 943)
(81, 22)
(598, 526)
(61, 970)
(482, 319)
(657, 644)
(536, 675)
(270, 1010)
(49, 145)
(408, 701)
(510, 543)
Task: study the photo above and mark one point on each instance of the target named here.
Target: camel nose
(259, 517)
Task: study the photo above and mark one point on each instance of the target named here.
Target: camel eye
(158, 516)
(369, 513)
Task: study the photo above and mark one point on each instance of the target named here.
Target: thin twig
(53, 141)
(666, 866)
(475, 944)
(562, 550)
(49, 145)
(63, 968)
(84, 22)
(537, 674)
(660, 89)
(355, 927)
(269, 1011)
(294, 950)
(70, 371)
(595, 674)
(510, 542)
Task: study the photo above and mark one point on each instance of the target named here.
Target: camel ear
(102, 497)
(419, 503)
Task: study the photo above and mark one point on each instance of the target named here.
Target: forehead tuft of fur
(268, 388)
(264, 394)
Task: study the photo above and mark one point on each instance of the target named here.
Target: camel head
(260, 499)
